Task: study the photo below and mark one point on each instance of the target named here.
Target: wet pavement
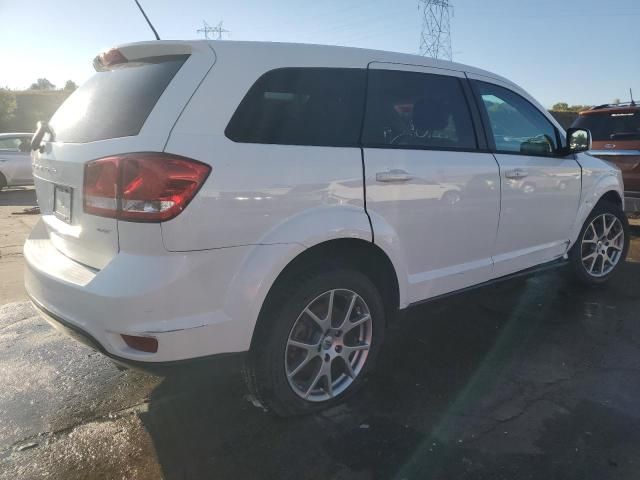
(532, 378)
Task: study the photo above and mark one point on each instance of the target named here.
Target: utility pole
(209, 30)
(435, 41)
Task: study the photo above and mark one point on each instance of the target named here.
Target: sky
(574, 51)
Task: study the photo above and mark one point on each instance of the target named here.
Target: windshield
(611, 126)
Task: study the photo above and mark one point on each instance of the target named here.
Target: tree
(70, 86)
(7, 107)
(42, 84)
(564, 107)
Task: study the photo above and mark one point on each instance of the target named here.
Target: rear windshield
(611, 126)
(114, 103)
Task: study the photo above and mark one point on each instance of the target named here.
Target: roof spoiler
(133, 52)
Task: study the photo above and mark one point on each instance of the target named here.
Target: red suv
(615, 130)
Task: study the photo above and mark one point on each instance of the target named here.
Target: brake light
(108, 59)
(141, 187)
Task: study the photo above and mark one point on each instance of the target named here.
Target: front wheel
(602, 244)
(315, 341)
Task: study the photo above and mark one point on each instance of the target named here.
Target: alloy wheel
(328, 345)
(602, 245)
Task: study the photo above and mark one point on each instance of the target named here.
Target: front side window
(411, 109)
(302, 106)
(516, 125)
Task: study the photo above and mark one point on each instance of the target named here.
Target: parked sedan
(15, 160)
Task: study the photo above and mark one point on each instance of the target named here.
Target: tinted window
(302, 106)
(10, 143)
(517, 126)
(611, 126)
(114, 103)
(417, 109)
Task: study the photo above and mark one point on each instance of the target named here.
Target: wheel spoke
(593, 229)
(315, 380)
(310, 356)
(329, 381)
(349, 349)
(307, 346)
(348, 367)
(593, 262)
(616, 237)
(327, 320)
(360, 321)
(347, 316)
(590, 256)
(321, 323)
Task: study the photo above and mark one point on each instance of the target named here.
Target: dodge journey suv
(285, 202)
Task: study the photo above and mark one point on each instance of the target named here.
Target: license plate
(62, 197)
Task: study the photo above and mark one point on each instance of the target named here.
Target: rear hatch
(129, 105)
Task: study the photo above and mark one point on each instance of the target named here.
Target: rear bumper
(220, 362)
(177, 298)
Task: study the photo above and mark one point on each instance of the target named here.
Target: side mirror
(578, 140)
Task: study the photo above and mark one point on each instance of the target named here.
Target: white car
(198, 202)
(15, 160)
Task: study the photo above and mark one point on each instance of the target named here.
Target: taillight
(141, 187)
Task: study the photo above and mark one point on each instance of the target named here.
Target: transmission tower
(216, 31)
(436, 31)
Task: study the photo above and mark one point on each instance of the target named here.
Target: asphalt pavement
(534, 378)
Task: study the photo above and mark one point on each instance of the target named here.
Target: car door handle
(393, 176)
(516, 173)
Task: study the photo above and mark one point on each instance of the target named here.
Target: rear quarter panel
(257, 194)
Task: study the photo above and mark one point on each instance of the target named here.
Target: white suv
(284, 202)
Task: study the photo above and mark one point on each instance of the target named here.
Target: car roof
(323, 55)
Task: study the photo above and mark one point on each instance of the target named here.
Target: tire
(279, 372)
(588, 256)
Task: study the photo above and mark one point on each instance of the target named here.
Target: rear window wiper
(36, 140)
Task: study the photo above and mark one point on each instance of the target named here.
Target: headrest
(429, 114)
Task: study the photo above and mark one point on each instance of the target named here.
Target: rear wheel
(602, 244)
(315, 341)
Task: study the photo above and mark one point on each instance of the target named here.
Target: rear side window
(418, 110)
(606, 126)
(114, 103)
(302, 106)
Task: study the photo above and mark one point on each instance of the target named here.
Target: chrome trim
(613, 153)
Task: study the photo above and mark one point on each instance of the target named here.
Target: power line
(209, 30)
(435, 40)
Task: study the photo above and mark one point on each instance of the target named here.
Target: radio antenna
(633, 104)
(147, 19)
